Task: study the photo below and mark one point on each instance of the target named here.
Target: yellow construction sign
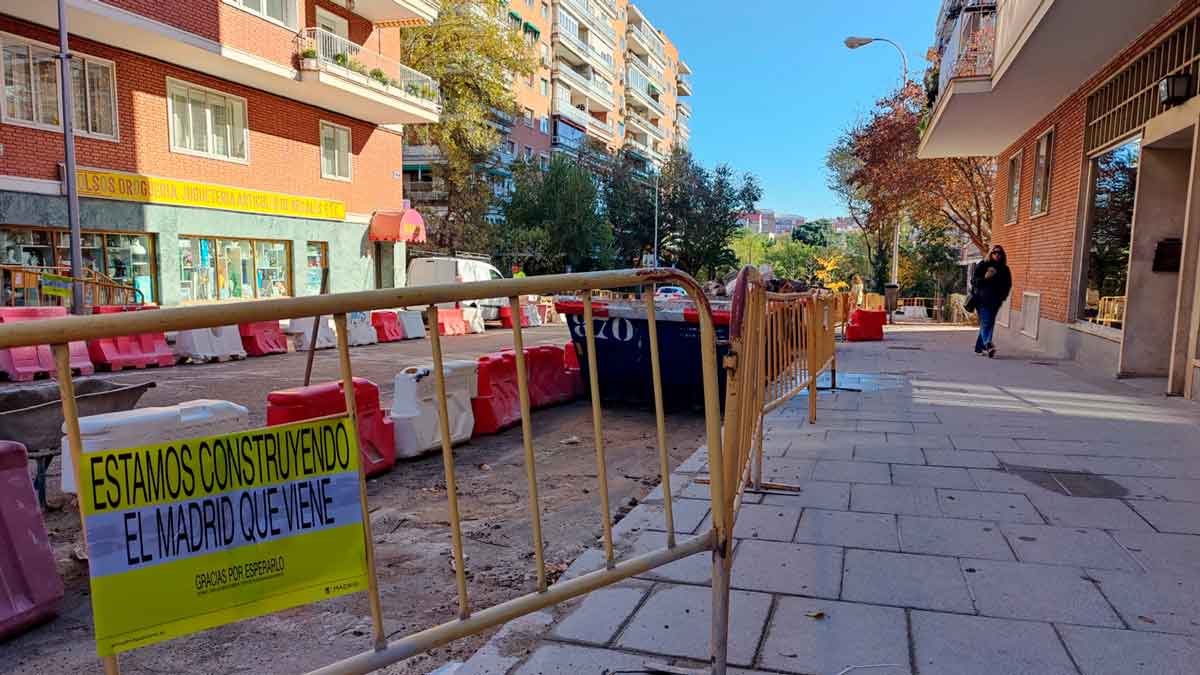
(193, 534)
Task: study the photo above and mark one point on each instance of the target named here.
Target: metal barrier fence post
(664, 460)
(589, 330)
(343, 346)
(535, 509)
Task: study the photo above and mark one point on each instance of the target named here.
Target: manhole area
(1070, 483)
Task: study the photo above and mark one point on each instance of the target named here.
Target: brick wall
(284, 149)
(1042, 249)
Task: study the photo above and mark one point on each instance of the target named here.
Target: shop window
(126, 259)
(233, 269)
(30, 73)
(273, 271)
(1012, 209)
(207, 123)
(1109, 231)
(335, 151)
(1043, 158)
(317, 254)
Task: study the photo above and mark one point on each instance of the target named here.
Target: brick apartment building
(227, 149)
(1091, 113)
(605, 73)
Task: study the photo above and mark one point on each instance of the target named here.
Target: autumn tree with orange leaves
(883, 182)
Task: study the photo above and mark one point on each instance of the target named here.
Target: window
(544, 162)
(224, 269)
(510, 147)
(1043, 159)
(1109, 231)
(30, 80)
(1012, 209)
(335, 151)
(545, 55)
(545, 10)
(545, 87)
(279, 11)
(545, 128)
(317, 254)
(529, 117)
(128, 258)
(332, 23)
(207, 123)
(528, 153)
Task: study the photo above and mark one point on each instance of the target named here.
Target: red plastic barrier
(22, 364)
(32, 588)
(262, 337)
(129, 351)
(376, 437)
(550, 382)
(387, 326)
(573, 370)
(498, 403)
(506, 319)
(865, 325)
(451, 322)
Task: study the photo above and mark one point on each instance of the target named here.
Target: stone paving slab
(953, 537)
(1111, 514)
(961, 458)
(602, 613)
(765, 521)
(1015, 590)
(1152, 602)
(949, 644)
(1100, 651)
(823, 637)
(932, 476)
(675, 621)
(913, 501)
(812, 494)
(793, 569)
(1079, 547)
(889, 454)
(847, 528)
(987, 506)
(905, 580)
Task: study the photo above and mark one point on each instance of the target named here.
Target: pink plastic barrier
(22, 364)
(451, 322)
(129, 351)
(550, 383)
(28, 577)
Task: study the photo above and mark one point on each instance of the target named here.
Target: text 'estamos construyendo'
(197, 496)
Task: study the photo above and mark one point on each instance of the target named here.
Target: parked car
(670, 293)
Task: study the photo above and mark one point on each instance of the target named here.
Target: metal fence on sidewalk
(780, 345)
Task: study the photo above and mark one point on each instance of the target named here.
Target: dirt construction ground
(408, 516)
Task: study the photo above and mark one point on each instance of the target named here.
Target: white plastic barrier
(473, 317)
(359, 329)
(413, 324)
(326, 339)
(210, 344)
(414, 410)
(147, 426)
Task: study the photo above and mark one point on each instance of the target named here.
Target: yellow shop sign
(131, 187)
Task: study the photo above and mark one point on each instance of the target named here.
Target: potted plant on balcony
(342, 59)
(308, 59)
(379, 76)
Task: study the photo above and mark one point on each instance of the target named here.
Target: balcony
(685, 109)
(600, 129)
(574, 49)
(594, 16)
(350, 78)
(422, 154)
(1006, 64)
(595, 88)
(397, 12)
(644, 43)
(642, 91)
(683, 84)
(639, 122)
(563, 108)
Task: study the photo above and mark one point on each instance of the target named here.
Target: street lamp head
(856, 42)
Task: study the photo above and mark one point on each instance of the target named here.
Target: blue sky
(774, 85)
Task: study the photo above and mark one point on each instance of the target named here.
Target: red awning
(405, 225)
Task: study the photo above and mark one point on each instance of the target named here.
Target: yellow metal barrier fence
(801, 328)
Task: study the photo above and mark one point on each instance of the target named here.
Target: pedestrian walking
(990, 288)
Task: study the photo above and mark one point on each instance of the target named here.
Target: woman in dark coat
(992, 283)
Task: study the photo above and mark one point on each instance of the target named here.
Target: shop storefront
(189, 243)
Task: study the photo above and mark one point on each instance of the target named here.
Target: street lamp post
(893, 288)
(68, 119)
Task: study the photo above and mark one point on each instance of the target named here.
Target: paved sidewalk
(958, 515)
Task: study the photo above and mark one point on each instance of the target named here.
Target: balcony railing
(593, 15)
(650, 127)
(652, 42)
(685, 108)
(321, 50)
(568, 32)
(564, 108)
(597, 86)
(971, 48)
(603, 127)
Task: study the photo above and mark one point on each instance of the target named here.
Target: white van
(446, 270)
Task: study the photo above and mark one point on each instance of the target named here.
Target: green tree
(790, 259)
(700, 208)
(814, 232)
(553, 220)
(929, 263)
(628, 195)
(750, 247)
(475, 56)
